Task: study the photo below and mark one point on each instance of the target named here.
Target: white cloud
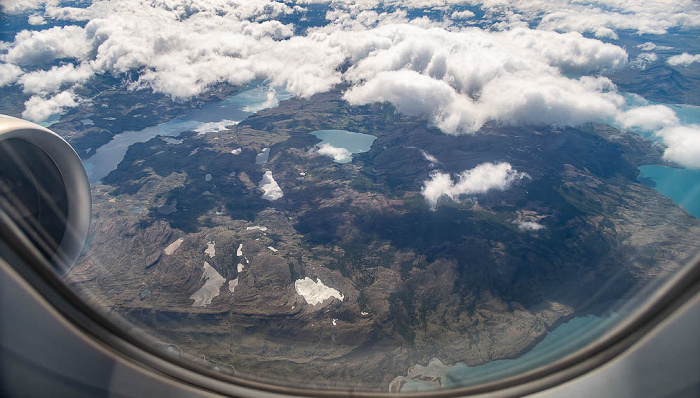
(271, 101)
(683, 144)
(36, 20)
(215, 127)
(460, 80)
(17, 6)
(457, 78)
(684, 59)
(643, 60)
(51, 81)
(42, 47)
(529, 226)
(603, 18)
(649, 118)
(525, 97)
(571, 51)
(481, 179)
(9, 74)
(648, 46)
(430, 158)
(38, 108)
(340, 155)
(466, 14)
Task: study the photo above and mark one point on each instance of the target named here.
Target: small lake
(211, 117)
(343, 139)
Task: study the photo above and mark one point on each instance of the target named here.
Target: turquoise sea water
(208, 118)
(681, 185)
(563, 340)
(353, 142)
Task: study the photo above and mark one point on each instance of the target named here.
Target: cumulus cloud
(643, 60)
(36, 20)
(683, 145)
(603, 17)
(38, 108)
(461, 80)
(465, 14)
(45, 46)
(271, 101)
(648, 46)
(17, 6)
(527, 98)
(340, 155)
(9, 74)
(481, 179)
(649, 118)
(50, 81)
(684, 59)
(456, 77)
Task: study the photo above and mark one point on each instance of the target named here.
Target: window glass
(389, 196)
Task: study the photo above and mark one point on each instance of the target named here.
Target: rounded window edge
(661, 304)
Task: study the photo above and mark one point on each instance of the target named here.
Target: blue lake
(352, 142)
(211, 117)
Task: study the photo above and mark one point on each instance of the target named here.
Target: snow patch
(239, 252)
(232, 285)
(271, 189)
(315, 292)
(211, 249)
(272, 249)
(259, 228)
(212, 285)
(172, 247)
(237, 151)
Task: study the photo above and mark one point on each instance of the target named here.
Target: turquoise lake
(352, 142)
